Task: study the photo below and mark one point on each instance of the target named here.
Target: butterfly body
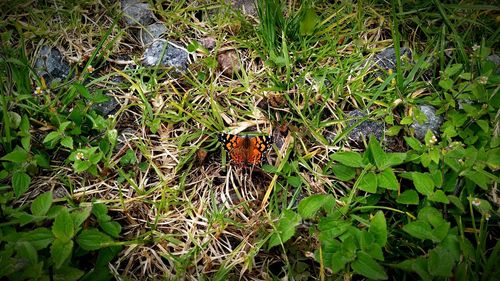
(245, 150)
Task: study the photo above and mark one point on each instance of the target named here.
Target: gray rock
(172, 56)
(496, 60)
(387, 58)
(365, 129)
(433, 122)
(247, 7)
(51, 65)
(137, 13)
(151, 32)
(106, 108)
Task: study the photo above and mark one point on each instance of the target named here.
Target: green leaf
(100, 211)
(494, 159)
(20, 183)
(423, 183)
(377, 152)
(439, 196)
(455, 201)
(368, 267)
(453, 69)
(81, 165)
(408, 197)
(79, 216)
(67, 273)
(112, 228)
(39, 238)
(63, 226)
(309, 206)
(18, 155)
(294, 181)
(27, 251)
(344, 173)
(368, 182)
(60, 251)
(331, 227)
(418, 229)
(67, 141)
(440, 262)
(308, 22)
(418, 265)
(387, 179)
(378, 228)
(394, 159)
(285, 228)
(348, 158)
(41, 204)
(51, 137)
(92, 239)
(128, 158)
(445, 83)
(432, 216)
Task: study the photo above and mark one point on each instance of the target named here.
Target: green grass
(149, 193)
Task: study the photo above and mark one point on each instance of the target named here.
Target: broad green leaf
(432, 216)
(128, 158)
(18, 155)
(418, 229)
(378, 228)
(79, 216)
(368, 267)
(51, 137)
(27, 251)
(368, 182)
(445, 83)
(348, 158)
(100, 211)
(413, 143)
(440, 232)
(112, 228)
(423, 183)
(494, 159)
(67, 273)
(308, 22)
(453, 69)
(377, 152)
(387, 179)
(457, 203)
(439, 196)
(285, 228)
(441, 262)
(63, 226)
(67, 141)
(60, 251)
(41, 204)
(394, 159)
(92, 239)
(344, 173)
(480, 178)
(39, 238)
(418, 265)
(81, 165)
(331, 228)
(408, 197)
(20, 183)
(309, 206)
(294, 181)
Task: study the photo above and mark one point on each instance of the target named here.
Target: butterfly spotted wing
(245, 150)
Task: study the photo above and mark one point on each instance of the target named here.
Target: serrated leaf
(26, 251)
(309, 206)
(387, 179)
(439, 196)
(348, 158)
(80, 216)
(408, 197)
(41, 204)
(418, 229)
(285, 228)
(51, 137)
(376, 152)
(93, 239)
(440, 262)
(18, 155)
(60, 251)
(368, 267)
(423, 183)
(39, 238)
(67, 273)
(112, 228)
(67, 141)
(378, 228)
(344, 173)
(20, 183)
(368, 182)
(63, 226)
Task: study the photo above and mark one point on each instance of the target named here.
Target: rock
(151, 32)
(172, 56)
(137, 13)
(106, 108)
(387, 58)
(229, 62)
(496, 60)
(433, 122)
(247, 7)
(51, 65)
(208, 42)
(365, 129)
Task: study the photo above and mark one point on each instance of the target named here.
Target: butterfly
(245, 150)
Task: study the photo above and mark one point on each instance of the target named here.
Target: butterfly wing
(257, 146)
(234, 145)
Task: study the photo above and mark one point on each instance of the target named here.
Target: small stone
(387, 58)
(51, 65)
(151, 32)
(247, 7)
(137, 13)
(228, 62)
(172, 56)
(106, 108)
(208, 42)
(433, 122)
(365, 129)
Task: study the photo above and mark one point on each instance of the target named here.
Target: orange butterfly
(247, 150)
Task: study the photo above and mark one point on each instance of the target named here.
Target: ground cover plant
(116, 119)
